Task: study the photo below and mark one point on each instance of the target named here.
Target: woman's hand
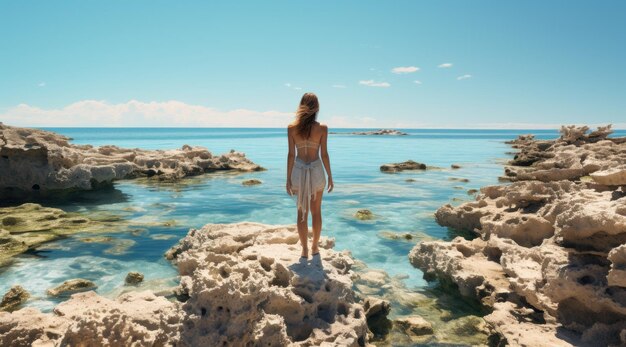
(288, 187)
(331, 185)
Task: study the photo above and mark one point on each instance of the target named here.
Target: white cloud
(134, 113)
(41, 84)
(339, 86)
(297, 88)
(288, 85)
(371, 83)
(464, 77)
(445, 65)
(404, 69)
(417, 82)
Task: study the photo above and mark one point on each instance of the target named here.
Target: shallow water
(162, 213)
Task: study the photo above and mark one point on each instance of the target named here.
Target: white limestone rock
(246, 283)
(33, 160)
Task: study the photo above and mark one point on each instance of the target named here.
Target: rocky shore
(549, 256)
(38, 161)
(241, 284)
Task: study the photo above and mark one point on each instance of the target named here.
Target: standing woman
(305, 172)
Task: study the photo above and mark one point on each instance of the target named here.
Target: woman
(305, 173)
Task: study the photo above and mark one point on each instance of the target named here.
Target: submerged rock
(251, 182)
(549, 257)
(364, 214)
(413, 325)
(71, 286)
(134, 277)
(30, 225)
(406, 165)
(15, 297)
(33, 160)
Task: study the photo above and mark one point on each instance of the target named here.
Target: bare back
(307, 149)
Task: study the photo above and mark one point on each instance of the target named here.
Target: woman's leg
(303, 232)
(316, 215)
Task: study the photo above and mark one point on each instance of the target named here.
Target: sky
(397, 64)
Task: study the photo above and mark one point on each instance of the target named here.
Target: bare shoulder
(324, 127)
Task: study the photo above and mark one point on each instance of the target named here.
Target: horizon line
(261, 127)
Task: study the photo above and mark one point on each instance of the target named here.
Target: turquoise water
(163, 213)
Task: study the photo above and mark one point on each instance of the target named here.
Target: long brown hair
(306, 114)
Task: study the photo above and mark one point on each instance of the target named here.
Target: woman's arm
(326, 158)
(291, 155)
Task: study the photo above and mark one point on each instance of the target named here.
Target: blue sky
(526, 64)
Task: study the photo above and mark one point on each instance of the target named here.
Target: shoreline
(548, 248)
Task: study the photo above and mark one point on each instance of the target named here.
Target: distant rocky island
(391, 132)
(549, 257)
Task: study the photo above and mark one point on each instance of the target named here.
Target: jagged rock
(617, 273)
(570, 157)
(455, 166)
(610, 177)
(414, 325)
(550, 258)
(251, 182)
(375, 306)
(33, 160)
(364, 214)
(406, 165)
(87, 319)
(71, 286)
(15, 297)
(376, 311)
(134, 277)
(242, 284)
(228, 269)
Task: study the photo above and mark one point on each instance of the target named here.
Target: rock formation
(241, 284)
(549, 258)
(13, 298)
(405, 165)
(376, 132)
(364, 214)
(133, 278)
(87, 319)
(40, 161)
(71, 286)
(245, 283)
